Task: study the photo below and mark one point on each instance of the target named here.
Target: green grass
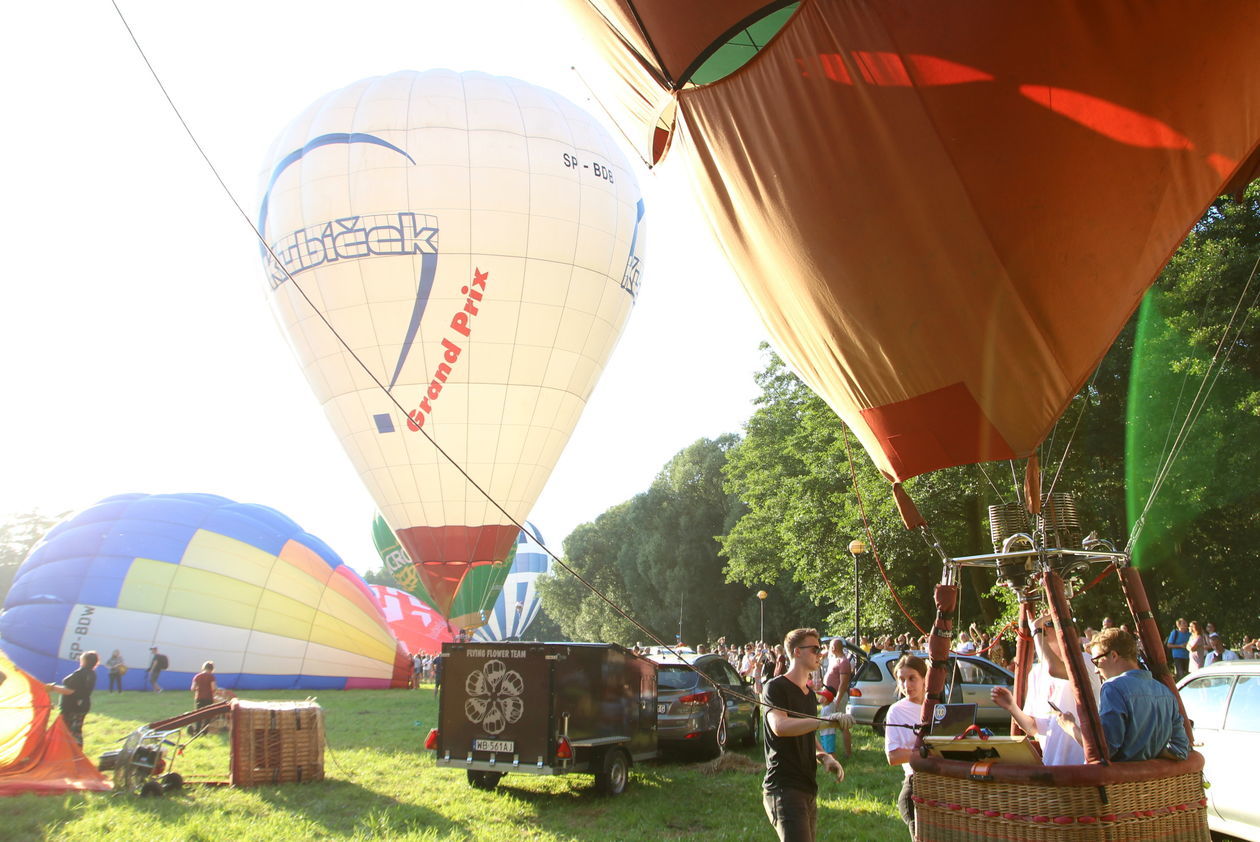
(381, 784)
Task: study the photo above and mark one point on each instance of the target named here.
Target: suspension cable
(870, 535)
(1210, 376)
(455, 464)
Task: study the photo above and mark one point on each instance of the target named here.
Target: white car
(971, 679)
(1223, 702)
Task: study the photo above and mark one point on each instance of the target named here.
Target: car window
(978, 672)
(1244, 705)
(673, 677)
(1205, 699)
(713, 669)
(729, 676)
(869, 672)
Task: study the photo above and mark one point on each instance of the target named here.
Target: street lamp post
(761, 598)
(856, 548)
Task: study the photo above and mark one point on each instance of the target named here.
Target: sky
(140, 352)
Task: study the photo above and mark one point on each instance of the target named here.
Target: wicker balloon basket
(1154, 800)
(276, 742)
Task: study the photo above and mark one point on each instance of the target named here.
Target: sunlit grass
(381, 784)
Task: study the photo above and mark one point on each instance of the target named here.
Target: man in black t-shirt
(76, 694)
(793, 754)
(157, 663)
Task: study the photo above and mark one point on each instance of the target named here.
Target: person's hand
(843, 721)
(1002, 698)
(1068, 723)
(833, 766)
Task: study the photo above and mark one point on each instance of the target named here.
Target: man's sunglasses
(815, 648)
(1094, 660)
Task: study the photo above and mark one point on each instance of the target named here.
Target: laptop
(952, 720)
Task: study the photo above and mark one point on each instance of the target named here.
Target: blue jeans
(793, 813)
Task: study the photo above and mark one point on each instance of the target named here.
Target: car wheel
(483, 780)
(614, 773)
(713, 742)
(878, 725)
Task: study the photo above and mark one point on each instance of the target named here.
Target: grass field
(381, 784)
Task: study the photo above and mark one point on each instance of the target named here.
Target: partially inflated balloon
(397, 563)
(518, 604)
(477, 243)
(203, 579)
(415, 625)
(474, 596)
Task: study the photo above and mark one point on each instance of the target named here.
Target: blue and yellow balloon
(202, 578)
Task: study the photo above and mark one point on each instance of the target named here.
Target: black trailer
(545, 709)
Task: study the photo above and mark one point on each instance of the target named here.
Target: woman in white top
(899, 736)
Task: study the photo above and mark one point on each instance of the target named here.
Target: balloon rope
(870, 536)
(1213, 372)
(248, 221)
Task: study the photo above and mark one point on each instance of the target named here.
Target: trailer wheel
(483, 780)
(614, 774)
(151, 789)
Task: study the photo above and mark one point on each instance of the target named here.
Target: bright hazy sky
(140, 353)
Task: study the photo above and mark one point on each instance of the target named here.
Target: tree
(657, 556)
(1195, 337)
(792, 470)
(18, 536)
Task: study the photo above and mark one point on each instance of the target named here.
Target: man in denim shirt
(1140, 716)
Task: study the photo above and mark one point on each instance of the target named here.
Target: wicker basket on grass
(276, 742)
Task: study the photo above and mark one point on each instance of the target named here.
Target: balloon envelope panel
(202, 578)
(928, 250)
(417, 626)
(477, 243)
(518, 603)
(474, 595)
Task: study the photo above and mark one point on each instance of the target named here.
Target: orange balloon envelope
(944, 212)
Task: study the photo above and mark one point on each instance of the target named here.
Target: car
(1223, 703)
(971, 679)
(689, 708)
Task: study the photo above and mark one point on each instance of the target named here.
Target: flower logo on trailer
(494, 697)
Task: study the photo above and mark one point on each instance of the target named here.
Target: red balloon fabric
(36, 757)
(417, 627)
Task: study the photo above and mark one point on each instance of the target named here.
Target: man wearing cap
(793, 754)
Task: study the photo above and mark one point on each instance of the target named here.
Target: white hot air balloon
(518, 604)
(477, 243)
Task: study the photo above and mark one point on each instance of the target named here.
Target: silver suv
(689, 708)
